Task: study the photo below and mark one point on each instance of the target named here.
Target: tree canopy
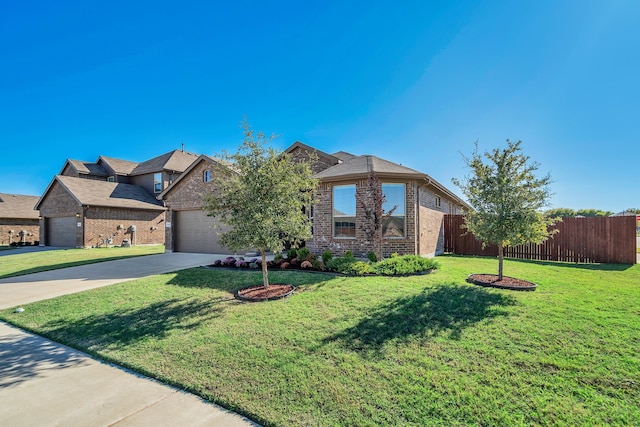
(262, 197)
(507, 197)
(568, 212)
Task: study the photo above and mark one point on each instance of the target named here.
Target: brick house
(105, 202)
(416, 226)
(18, 219)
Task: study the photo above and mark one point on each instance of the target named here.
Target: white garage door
(62, 232)
(194, 231)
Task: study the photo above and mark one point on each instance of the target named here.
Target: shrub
(277, 257)
(241, 263)
(306, 264)
(284, 265)
(229, 261)
(359, 268)
(372, 256)
(327, 256)
(294, 261)
(407, 264)
(217, 262)
(341, 264)
(292, 253)
(303, 254)
(253, 265)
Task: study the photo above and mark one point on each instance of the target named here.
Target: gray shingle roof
(91, 192)
(88, 168)
(343, 155)
(175, 160)
(17, 206)
(121, 167)
(363, 165)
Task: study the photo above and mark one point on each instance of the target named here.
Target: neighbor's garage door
(194, 232)
(62, 231)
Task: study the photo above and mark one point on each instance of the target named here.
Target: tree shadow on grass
(446, 309)
(230, 280)
(126, 326)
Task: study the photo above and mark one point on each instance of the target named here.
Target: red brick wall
(323, 224)
(101, 223)
(58, 203)
(30, 226)
(299, 155)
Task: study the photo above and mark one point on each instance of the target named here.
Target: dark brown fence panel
(584, 240)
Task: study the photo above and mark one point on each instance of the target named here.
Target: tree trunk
(500, 259)
(265, 272)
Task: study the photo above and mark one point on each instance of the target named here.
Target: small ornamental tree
(371, 201)
(507, 198)
(262, 197)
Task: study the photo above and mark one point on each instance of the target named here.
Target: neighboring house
(416, 226)
(95, 204)
(18, 219)
(188, 228)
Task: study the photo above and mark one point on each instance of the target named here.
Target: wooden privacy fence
(586, 240)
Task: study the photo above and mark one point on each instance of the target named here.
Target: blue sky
(413, 82)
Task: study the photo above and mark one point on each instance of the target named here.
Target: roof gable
(18, 206)
(186, 173)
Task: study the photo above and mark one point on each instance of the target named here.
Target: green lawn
(19, 263)
(423, 350)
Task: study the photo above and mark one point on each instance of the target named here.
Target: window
(394, 194)
(206, 176)
(344, 211)
(157, 182)
(111, 179)
(438, 201)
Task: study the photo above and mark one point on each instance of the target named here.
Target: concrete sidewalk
(46, 383)
(43, 383)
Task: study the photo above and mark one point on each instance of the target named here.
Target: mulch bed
(511, 283)
(260, 293)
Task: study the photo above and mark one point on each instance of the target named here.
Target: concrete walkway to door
(46, 383)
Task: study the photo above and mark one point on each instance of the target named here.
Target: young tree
(507, 197)
(371, 201)
(262, 199)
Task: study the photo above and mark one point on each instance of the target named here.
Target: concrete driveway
(50, 284)
(46, 383)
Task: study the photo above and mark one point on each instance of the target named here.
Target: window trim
(404, 215)
(333, 216)
(438, 201)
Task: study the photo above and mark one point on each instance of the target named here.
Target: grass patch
(420, 350)
(34, 262)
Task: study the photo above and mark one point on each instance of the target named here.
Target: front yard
(422, 350)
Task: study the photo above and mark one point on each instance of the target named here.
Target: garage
(194, 231)
(62, 232)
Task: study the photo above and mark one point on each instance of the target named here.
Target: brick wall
(299, 155)
(323, 224)
(31, 228)
(189, 193)
(58, 203)
(430, 220)
(101, 223)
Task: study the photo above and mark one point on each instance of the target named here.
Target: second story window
(157, 182)
(206, 176)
